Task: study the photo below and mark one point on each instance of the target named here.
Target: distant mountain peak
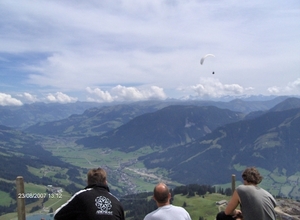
(289, 103)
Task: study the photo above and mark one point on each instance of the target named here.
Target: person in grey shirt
(255, 202)
(165, 210)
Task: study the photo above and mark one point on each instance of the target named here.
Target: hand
(237, 214)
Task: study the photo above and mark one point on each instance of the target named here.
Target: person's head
(96, 176)
(252, 176)
(161, 194)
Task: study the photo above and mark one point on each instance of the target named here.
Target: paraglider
(203, 58)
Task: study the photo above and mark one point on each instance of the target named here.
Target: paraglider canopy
(203, 58)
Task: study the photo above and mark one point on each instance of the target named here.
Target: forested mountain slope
(270, 141)
(170, 126)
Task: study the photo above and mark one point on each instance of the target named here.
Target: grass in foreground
(204, 206)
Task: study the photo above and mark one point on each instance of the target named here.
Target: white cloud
(60, 97)
(29, 97)
(295, 84)
(274, 90)
(122, 93)
(292, 88)
(6, 99)
(100, 96)
(210, 87)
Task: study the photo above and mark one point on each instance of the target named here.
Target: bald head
(161, 193)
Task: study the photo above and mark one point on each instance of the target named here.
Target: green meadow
(204, 206)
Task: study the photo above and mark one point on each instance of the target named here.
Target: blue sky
(129, 50)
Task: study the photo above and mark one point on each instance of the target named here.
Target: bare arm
(233, 204)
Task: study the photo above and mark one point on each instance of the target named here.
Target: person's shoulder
(178, 208)
(266, 192)
(113, 196)
(181, 211)
(150, 214)
(147, 217)
(243, 187)
(82, 192)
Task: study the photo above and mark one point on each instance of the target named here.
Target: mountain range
(167, 127)
(270, 141)
(203, 144)
(194, 141)
(21, 117)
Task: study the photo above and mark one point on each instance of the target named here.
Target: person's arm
(69, 210)
(233, 204)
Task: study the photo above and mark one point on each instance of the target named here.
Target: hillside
(93, 121)
(286, 104)
(170, 126)
(20, 151)
(270, 141)
(23, 155)
(289, 103)
(22, 117)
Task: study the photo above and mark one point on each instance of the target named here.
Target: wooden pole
(20, 198)
(232, 183)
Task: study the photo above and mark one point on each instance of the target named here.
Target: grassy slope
(54, 202)
(200, 206)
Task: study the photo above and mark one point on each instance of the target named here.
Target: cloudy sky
(129, 50)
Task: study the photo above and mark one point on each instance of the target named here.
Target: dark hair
(251, 175)
(161, 195)
(96, 176)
